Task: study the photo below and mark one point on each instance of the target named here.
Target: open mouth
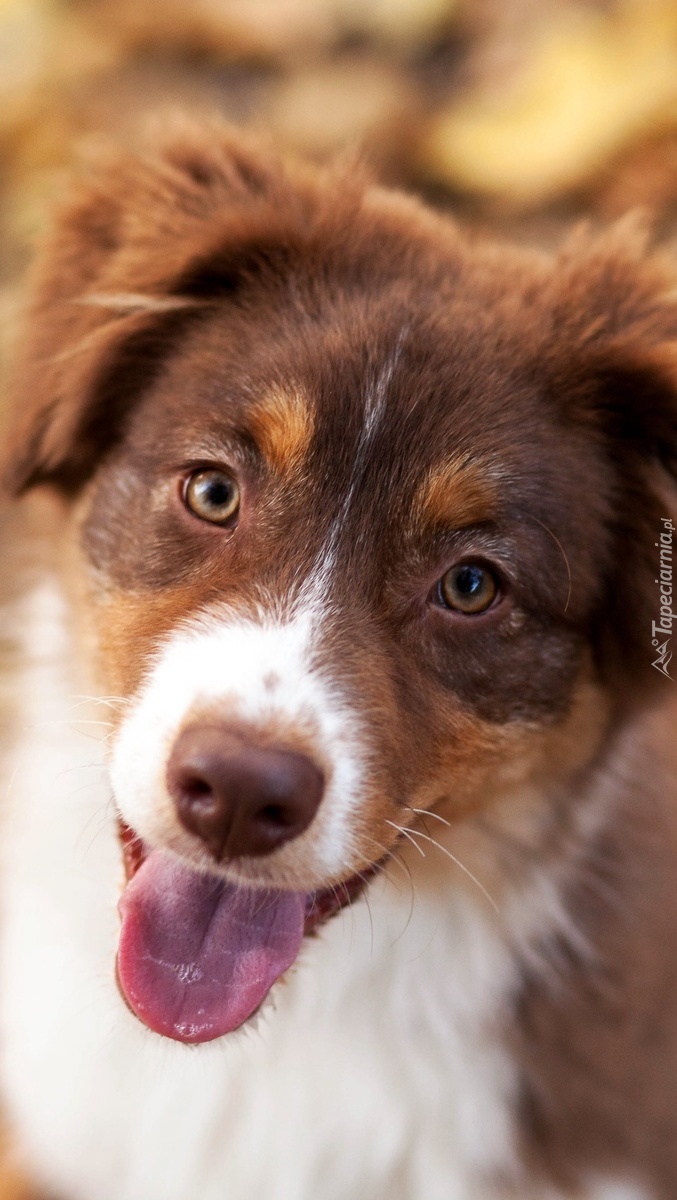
(199, 954)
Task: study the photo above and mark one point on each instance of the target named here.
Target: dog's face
(359, 507)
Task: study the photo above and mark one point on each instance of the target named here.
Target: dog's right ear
(144, 242)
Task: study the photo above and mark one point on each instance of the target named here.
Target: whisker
(100, 815)
(90, 766)
(74, 792)
(562, 551)
(427, 812)
(70, 723)
(407, 834)
(365, 894)
(389, 856)
(414, 895)
(11, 781)
(394, 857)
(109, 701)
(461, 866)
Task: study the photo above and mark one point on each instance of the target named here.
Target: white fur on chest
(373, 1074)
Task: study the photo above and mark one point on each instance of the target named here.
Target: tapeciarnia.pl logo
(664, 624)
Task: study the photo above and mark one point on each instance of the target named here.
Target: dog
(340, 822)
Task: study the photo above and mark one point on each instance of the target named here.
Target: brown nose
(240, 799)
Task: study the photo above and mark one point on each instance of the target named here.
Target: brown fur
(201, 301)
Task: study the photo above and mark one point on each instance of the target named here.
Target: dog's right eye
(212, 495)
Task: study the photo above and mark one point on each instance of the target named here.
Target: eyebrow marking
(283, 424)
(459, 492)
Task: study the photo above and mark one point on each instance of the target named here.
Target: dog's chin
(198, 953)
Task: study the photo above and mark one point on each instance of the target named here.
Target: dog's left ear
(615, 319)
(143, 243)
(615, 364)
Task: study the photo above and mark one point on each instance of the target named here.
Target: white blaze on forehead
(375, 407)
(260, 675)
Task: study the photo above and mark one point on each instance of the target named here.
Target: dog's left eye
(468, 588)
(212, 495)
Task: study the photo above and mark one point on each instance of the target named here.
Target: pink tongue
(198, 955)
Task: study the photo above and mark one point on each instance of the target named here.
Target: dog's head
(369, 526)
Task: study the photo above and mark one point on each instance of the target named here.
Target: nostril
(276, 816)
(194, 788)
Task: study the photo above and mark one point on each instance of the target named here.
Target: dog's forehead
(362, 399)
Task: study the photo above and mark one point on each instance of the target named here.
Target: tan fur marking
(283, 426)
(126, 629)
(493, 788)
(458, 492)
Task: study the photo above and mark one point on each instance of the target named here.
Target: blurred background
(518, 115)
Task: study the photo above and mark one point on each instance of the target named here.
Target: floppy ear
(618, 313)
(142, 245)
(617, 302)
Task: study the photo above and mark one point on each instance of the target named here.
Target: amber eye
(468, 588)
(212, 495)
